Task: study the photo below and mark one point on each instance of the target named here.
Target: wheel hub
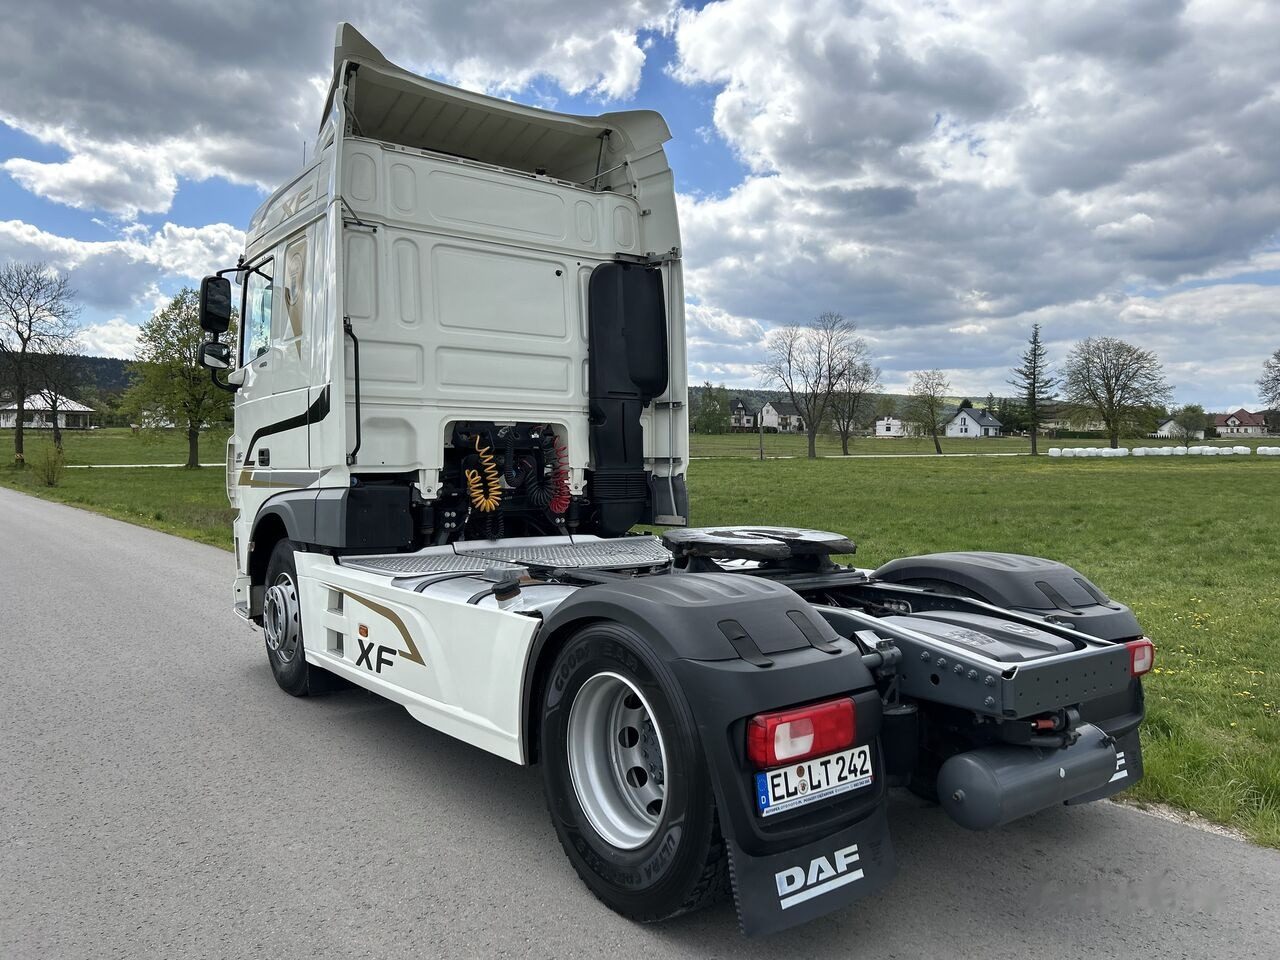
(617, 760)
(280, 618)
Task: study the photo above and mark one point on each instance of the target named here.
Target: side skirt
(432, 713)
(456, 667)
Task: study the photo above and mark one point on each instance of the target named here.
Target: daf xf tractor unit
(460, 386)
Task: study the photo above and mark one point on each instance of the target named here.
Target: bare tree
(37, 313)
(926, 404)
(1189, 424)
(852, 400)
(807, 362)
(1269, 384)
(1034, 383)
(57, 376)
(1114, 381)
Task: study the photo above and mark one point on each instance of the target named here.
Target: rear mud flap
(1128, 770)
(783, 890)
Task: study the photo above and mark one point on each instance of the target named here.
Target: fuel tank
(992, 786)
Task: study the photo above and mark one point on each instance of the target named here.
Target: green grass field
(1190, 543)
(119, 445)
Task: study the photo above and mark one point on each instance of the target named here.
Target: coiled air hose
(560, 500)
(484, 490)
(551, 491)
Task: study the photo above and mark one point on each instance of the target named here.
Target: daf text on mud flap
(797, 884)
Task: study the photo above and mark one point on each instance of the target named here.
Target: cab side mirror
(215, 355)
(215, 307)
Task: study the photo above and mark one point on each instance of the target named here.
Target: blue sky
(945, 173)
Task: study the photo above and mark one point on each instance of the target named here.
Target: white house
(38, 415)
(1057, 417)
(741, 415)
(971, 422)
(1241, 423)
(781, 416)
(890, 426)
(1168, 429)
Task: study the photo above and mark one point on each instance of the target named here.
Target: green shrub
(49, 466)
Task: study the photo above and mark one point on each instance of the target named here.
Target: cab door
(274, 398)
(288, 361)
(253, 407)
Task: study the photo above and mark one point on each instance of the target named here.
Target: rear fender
(736, 646)
(1045, 588)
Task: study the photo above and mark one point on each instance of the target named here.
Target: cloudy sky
(947, 172)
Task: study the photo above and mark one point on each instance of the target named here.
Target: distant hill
(106, 374)
(103, 381)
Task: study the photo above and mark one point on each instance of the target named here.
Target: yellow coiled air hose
(486, 491)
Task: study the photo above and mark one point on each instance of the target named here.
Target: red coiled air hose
(560, 479)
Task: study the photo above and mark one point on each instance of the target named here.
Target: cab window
(257, 311)
(289, 326)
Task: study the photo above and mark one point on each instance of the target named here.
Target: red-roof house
(1240, 423)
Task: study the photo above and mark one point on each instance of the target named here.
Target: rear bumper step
(937, 669)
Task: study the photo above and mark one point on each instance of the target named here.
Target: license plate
(799, 784)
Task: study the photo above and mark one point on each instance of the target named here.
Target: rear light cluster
(1142, 656)
(788, 736)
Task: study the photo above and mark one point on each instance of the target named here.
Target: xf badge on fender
(381, 656)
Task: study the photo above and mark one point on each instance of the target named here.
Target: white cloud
(122, 273)
(117, 178)
(948, 172)
(143, 95)
(945, 172)
(116, 337)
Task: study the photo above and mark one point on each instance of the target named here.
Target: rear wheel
(282, 622)
(626, 779)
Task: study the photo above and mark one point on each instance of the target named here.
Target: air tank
(990, 787)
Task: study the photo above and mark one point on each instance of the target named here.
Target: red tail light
(786, 736)
(1142, 656)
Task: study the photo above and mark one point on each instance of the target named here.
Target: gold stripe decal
(410, 654)
(279, 479)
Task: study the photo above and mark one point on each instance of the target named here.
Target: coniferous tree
(1034, 383)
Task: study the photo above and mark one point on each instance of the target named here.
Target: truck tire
(626, 779)
(282, 623)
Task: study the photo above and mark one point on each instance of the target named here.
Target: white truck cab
(433, 266)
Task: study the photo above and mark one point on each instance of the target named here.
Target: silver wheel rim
(280, 619)
(617, 760)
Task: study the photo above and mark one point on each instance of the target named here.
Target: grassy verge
(1190, 544)
(189, 503)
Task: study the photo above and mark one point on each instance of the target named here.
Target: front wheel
(282, 622)
(626, 778)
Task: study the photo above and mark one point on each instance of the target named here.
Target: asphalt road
(160, 797)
